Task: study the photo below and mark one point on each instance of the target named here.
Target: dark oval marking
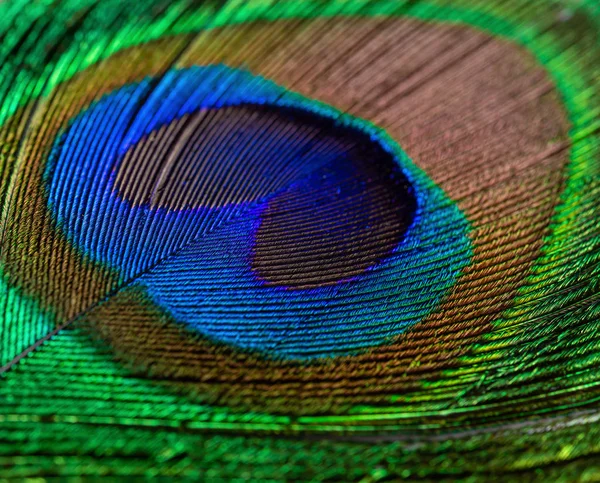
(336, 202)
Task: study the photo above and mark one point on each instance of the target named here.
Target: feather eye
(353, 225)
(225, 189)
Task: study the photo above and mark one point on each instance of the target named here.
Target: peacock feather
(298, 240)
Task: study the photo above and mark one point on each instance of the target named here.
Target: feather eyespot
(214, 187)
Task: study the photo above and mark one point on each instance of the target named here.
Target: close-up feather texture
(300, 240)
